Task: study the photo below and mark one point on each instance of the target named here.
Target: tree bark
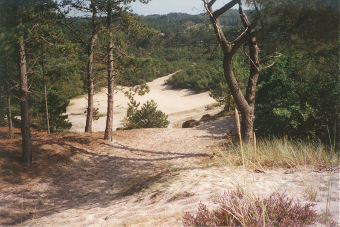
(245, 104)
(90, 79)
(9, 112)
(248, 123)
(25, 117)
(110, 76)
(45, 92)
(2, 104)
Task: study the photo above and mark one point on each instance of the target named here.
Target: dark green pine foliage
(299, 25)
(146, 117)
(20, 21)
(62, 70)
(299, 97)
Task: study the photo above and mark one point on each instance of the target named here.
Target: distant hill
(229, 18)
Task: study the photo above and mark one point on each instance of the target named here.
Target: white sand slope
(178, 104)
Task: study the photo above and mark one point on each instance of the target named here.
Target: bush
(236, 209)
(57, 105)
(299, 97)
(147, 117)
(95, 114)
(200, 77)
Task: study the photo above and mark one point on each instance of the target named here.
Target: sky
(172, 6)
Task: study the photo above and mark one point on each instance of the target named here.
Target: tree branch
(217, 27)
(268, 66)
(34, 26)
(250, 59)
(239, 36)
(75, 33)
(43, 38)
(211, 3)
(240, 42)
(243, 16)
(258, 12)
(273, 55)
(225, 8)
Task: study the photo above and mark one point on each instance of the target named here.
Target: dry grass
(284, 153)
(279, 153)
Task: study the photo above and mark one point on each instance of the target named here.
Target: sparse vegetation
(238, 209)
(279, 152)
(146, 117)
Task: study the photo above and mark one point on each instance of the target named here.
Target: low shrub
(146, 117)
(237, 209)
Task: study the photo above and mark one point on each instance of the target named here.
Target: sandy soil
(178, 104)
(145, 177)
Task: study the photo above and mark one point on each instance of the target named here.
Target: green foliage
(96, 114)
(146, 117)
(221, 93)
(208, 74)
(299, 97)
(57, 105)
(298, 25)
(199, 77)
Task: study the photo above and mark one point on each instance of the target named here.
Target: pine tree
(19, 22)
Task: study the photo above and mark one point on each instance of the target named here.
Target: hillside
(179, 104)
(146, 177)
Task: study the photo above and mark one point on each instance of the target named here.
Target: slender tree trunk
(9, 112)
(110, 76)
(25, 117)
(89, 117)
(2, 104)
(45, 92)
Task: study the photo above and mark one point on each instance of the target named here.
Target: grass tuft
(279, 152)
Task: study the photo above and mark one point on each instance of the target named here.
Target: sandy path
(146, 177)
(178, 104)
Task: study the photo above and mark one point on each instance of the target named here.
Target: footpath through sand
(145, 177)
(178, 104)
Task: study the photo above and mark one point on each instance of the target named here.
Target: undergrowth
(238, 209)
(279, 152)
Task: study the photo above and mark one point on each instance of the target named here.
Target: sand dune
(178, 104)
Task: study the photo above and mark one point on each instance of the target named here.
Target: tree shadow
(70, 171)
(219, 128)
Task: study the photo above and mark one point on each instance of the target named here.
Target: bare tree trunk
(2, 104)
(89, 117)
(248, 124)
(9, 113)
(245, 104)
(110, 76)
(25, 117)
(9, 110)
(45, 92)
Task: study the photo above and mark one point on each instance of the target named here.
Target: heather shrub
(237, 209)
